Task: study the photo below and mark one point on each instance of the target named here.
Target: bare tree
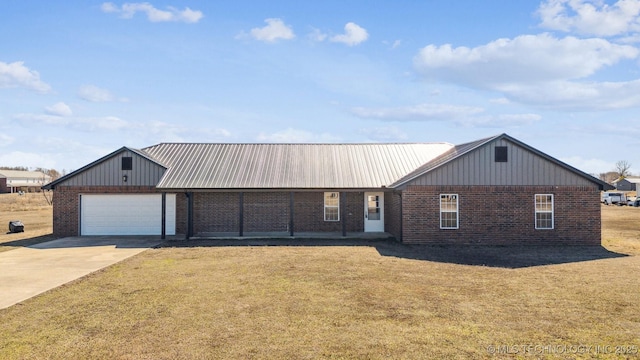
(622, 168)
(609, 176)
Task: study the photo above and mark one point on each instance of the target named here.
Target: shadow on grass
(492, 256)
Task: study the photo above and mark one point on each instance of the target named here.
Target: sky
(81, 79)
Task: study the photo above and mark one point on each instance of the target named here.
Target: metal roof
(23, 174)
(301, 166)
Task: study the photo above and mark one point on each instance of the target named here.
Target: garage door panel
(115, 214)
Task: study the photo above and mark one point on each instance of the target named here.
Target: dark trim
(401, 218)
(241, 214)
(189, 214)
(291, 214)
(343, 218)
(79, 214)
(163, 232)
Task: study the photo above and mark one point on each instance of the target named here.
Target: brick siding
(270, 212)
(502, 215)
(392, 214)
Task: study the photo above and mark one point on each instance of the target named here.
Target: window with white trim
(448, 211)
(332, 206)
(544, 211)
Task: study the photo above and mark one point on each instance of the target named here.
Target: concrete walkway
(29, 271)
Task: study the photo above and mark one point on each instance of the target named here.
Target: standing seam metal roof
(266, 166)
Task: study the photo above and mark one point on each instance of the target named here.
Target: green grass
(308, 302)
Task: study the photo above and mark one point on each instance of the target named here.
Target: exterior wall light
(124, 178)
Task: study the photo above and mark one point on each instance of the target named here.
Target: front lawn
(372, 301)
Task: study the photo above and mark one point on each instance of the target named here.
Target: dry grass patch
(621, 229)
(36, 214)
(321, 302)
(378, 300)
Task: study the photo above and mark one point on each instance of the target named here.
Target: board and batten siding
(523, 167)
(109, 173)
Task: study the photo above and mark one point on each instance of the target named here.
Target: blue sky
(80, 79)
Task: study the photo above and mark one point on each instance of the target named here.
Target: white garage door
(130, 214)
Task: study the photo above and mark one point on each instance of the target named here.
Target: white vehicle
(610, 198)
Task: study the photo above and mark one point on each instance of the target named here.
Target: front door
(374, 212)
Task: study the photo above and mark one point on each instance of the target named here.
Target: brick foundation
(502, 215)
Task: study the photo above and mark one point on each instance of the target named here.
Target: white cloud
(422, 112)
(21, 158)
(500, 101)
(93, 93)
(536, 69)
(317, 35)
(579, 96)
(110, 123)
(6, 140)
(500, 121)
(384, 133)
(590, 166)
(533, 58)
(160, 131)
(128, 10)
(15, 74)
(276, 29)
(297, 136)
(591, 17)
(59, 109)
(43, 119)
(106, 123)
(353, 35)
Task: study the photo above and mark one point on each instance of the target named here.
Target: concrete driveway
(29, 271)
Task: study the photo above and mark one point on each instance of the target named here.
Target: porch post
(291, 202)
(163, 233)
(189, 214)
(343, 206)
(241, 219)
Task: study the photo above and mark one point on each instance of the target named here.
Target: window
(448, 211)
(331, 206)
(501, 154)
(127, 163)
(544, 211)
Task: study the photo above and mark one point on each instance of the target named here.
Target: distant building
(13, 181)
(627, 184)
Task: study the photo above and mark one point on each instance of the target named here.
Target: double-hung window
(332, 206)
(449, 211)
(544, 211)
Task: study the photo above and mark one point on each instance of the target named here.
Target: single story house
(492, 191)
(20, 180)
(627, 184)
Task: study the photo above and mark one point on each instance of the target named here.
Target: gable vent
(502, 154)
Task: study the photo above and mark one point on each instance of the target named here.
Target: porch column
(343, 212)
(189, 214)
(163, 233)
(291, 202)
(241, 214)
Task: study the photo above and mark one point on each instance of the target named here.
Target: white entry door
(373, 212)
